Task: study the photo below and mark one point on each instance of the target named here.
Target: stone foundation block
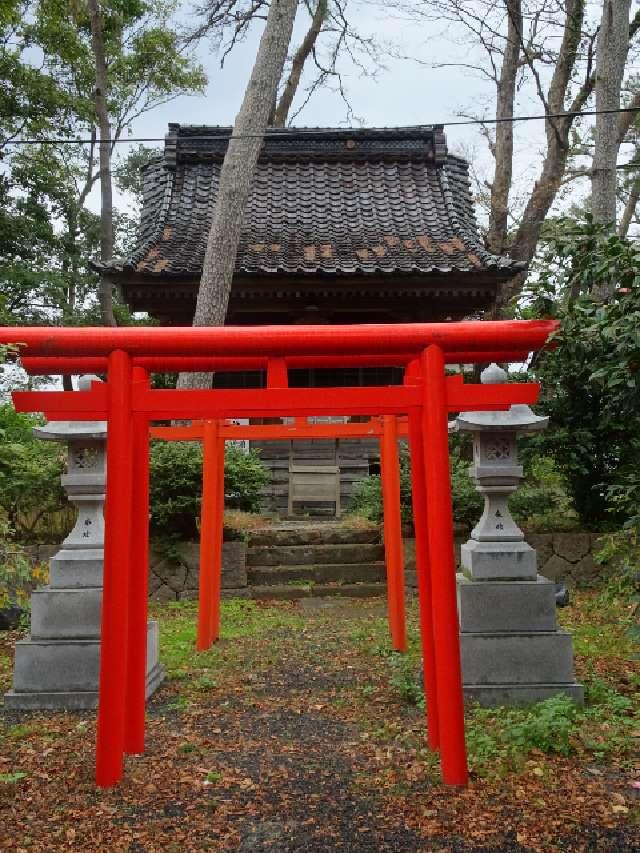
(68, 613)
(506, 605)
(63, 674)
(234, 565)
(72, 569)
(489, 561)
(523, 658)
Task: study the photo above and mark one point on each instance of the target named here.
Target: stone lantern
(512, 651)
(57, 667)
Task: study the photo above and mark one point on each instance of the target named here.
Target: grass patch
(240, 619)
(12, 778)
(244, 522)
(592, 611)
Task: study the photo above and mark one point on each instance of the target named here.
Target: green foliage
(403, 680)
(500, 740)
(467, 503)
(591, 379)
(506, 736)
(30, 472)
(244, 476)
(366, 499)
(12, 778)
(15, 570)
(541, 503)
(48, 235)
(176, 485)
(621, 550)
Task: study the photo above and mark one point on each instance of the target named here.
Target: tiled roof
(373, 201)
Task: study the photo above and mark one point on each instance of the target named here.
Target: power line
(309, 131)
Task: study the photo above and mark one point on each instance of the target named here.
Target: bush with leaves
(591, 378)
(366, 499)
(540, 504)
(176, 485)
(17, 573)
(30, 472)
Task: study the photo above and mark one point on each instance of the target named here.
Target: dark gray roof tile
(373, 201)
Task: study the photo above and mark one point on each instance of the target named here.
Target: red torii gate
(213, 434)
(127, 403)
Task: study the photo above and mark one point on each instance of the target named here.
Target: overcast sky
(405, 93)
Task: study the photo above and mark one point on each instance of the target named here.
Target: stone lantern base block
(492, 695)
(58, 614)
(493, 561)
(541, 657)
(506, 605)
(76, 569)
(63, 674)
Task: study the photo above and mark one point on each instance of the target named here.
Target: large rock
(557, 568)
(571, 546)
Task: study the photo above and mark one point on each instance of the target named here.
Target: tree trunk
(300, 57)
(503, 149)
(629, 209)
(106, 199)
(237, 170)
(612, 49)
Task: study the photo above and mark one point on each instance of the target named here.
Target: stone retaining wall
(561, 556)
(564, 557)
(178, 581)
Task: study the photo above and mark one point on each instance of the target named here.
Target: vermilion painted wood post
(423, 572)
(390, 476)
(206, 584)
(117, 561)
(453, 757)
(218, 531)
(138, 579)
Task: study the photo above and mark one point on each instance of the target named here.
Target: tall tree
(101, 93)
(100, 67)
(503, 145)
(332, 42)
(239, 165)
(613, 47)
(236, 173)
(526, 49)
(298, 62)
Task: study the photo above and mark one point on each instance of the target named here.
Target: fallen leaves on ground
(300, 743)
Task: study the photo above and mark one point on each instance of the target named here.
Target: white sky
(406, 93)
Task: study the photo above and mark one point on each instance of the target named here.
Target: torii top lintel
(482, 337)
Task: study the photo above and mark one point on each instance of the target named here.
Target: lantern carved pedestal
(512, 652)
(57, 667)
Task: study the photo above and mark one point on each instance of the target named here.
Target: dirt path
(310, 749)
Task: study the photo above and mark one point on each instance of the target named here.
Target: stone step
(327, 573)
(289, 593)
(305, 555)
(319, 534)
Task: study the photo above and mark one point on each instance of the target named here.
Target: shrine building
(343, 226)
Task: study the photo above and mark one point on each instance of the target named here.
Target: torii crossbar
(128, 404)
